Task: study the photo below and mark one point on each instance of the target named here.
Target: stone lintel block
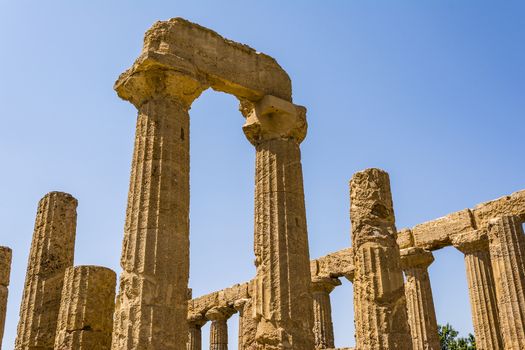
(468, 242)
(5, 265)
(415, 257)
(405, 238)
(512, 205)
(223, 298)
(225, 65)
(438, 233)
(338, 264)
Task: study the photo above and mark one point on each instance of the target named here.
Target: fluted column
(323, 326)
(52, 252)
(379, 298)
(282, 298)
(85, 320)
(151, 307)
(481, 289)
(195, 333)
(507, 253)
(420, 304)
(5, 272)
(219, 327)
(247, 325)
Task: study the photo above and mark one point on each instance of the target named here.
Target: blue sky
(433, 92)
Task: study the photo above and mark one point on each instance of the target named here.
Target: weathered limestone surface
(5, 272)
(151, 307)
(512, 205)
(198, 307)
(52, 252)
(181, 46)
(436, 234)
(482, 290)
(281, 293)
(337, 264)
(323, 326)
(440, 232)
(507, 251)
(85, 321)
(219, 328)
(405, 238)
(420, 304)
(379, 297)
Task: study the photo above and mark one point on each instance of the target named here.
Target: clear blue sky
(431, 91)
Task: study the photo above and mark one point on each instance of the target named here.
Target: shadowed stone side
(507, 252)
(379, 296)
(52, 252)
(195, 333)
(85, 320)
(151, 308)
(281, 295)
(420, 304)
(247, 325)
(481, 289)
(5, 272)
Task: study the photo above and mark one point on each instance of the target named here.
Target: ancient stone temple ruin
(287, 303)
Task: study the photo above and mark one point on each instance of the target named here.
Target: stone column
(195, 333)
(507, 252)
(481, 289)
(420, 304)
(247, 325)
(323, 326)
(5, 271)
(151, 309)
(379, 297)
(219, 327)
(282, 298)
(52, 252)
(85, 320)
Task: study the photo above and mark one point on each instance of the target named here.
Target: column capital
(197, 320)
(324, 284)
(415, 257)
(273, 118)
(471, 242)
(219, 313)
(239, 304)
(143, 84)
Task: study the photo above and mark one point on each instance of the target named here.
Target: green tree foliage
(448, 337)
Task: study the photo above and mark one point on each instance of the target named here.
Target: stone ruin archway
(179, 60)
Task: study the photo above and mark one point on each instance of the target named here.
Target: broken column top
(180, 46)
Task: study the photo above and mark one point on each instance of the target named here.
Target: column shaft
(52, 252)
(152, 301)
(482, 291)
(5, 272)
(420, 304)
(507, 252)
(323, 326)
(282, 297)
(85, 320)
(219, 335)
(483, 300)
(379, 299)
(194, 337)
